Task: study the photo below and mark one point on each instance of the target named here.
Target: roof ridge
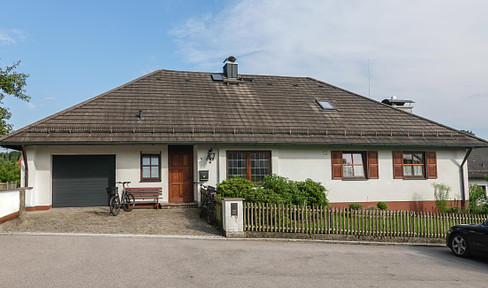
(75, 106)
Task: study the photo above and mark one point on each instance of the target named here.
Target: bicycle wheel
(114, 205)
(129, 202)
(211, 213)
(203, 209)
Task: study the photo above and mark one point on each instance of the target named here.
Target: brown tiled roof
(190, 107)
(478, 163)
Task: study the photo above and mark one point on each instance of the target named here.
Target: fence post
(233, 217)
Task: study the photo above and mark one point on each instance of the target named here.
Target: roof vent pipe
(230, 67)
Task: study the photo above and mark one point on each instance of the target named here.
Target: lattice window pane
(259, 166)
(237, 166)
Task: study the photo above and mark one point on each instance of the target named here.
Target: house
(478, 168)
(174, 129)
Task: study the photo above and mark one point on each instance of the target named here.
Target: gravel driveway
(176, 221)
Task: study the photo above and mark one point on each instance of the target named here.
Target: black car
(468, 239)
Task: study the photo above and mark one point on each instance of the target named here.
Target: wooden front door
(180, 173)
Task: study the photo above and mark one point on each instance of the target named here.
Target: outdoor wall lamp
(210, 156)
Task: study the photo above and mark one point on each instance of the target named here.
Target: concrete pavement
(121, 261)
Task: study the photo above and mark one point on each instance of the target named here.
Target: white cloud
(433, 52)
(31, 105)
(6, 38)
(11, 36)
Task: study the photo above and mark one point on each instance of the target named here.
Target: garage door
(81, 180)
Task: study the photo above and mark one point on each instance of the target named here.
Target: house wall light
(210, 156)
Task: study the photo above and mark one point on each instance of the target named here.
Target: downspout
(26, 167)
(463, 191)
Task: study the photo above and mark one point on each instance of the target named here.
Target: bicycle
(128, 200)
(208, 208)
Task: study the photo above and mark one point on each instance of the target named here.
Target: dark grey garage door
(81, 180)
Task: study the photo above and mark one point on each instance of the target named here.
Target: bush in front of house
(275, 189)
(355, 206)
(477, 200)
(382, 205)
(441, 195)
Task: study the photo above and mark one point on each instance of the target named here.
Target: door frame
(177, 148)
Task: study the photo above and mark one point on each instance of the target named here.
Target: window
(354, 165)
(414, 164)
(251, 165)
(325, 105)
(150, 167)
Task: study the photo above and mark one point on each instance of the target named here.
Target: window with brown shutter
(431, 158)
(373, 169)
(397, 165)
(354, 165)
(336, 165)
(414, 165)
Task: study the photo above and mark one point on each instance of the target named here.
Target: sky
(432, 52)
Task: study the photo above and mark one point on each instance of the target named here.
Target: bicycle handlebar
(123, 183)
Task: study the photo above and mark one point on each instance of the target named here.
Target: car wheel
(459, 245)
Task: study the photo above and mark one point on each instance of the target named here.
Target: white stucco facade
(294, 162)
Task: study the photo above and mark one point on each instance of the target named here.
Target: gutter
(26, 167)
(463, 191)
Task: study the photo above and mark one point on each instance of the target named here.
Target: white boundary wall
(9, 202)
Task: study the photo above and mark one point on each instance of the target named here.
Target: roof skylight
(325, 105)
(217, 77)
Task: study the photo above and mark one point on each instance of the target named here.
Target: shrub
(441, 194)
(355, 206)
(235, 187)
(275, 189)
(382, 205)
(314, 191)
(477, 200)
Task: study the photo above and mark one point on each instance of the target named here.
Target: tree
(469, 132)
(11, 83)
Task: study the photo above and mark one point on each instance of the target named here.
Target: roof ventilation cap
(140, 116)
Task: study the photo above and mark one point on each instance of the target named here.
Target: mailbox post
(233, 217)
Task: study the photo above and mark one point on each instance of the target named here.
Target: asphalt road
(90, 261)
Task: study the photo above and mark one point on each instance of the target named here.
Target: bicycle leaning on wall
(126, 201)
(208, 208)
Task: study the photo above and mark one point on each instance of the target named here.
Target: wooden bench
(149, 193)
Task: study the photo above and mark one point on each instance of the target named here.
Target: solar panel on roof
(324, 104)
(217, 77)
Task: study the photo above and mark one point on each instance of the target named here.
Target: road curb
(202, 237)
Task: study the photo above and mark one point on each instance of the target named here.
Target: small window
(413, 164)
(325, 105)
(217, 77)
(251, 165)
(150, 167)
(354, 165)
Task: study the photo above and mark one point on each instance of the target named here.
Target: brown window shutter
(336, 165)
(397, 164)
(373, 165)
(431, 165)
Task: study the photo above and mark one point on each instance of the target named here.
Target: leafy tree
(9, 171)
(11, 83)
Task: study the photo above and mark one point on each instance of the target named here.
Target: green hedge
(275, 189)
